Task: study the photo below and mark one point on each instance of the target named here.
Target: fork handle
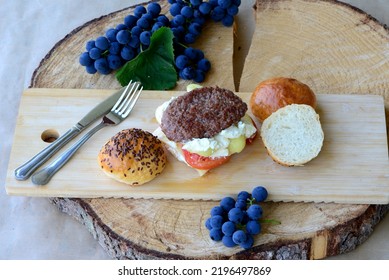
(24, 171)
(43, 176)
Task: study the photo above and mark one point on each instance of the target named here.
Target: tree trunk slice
(171, 229)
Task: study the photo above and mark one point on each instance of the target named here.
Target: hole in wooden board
(49, 135)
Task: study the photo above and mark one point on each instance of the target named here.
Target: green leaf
(154, 67)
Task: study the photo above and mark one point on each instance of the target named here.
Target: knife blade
(24, 171)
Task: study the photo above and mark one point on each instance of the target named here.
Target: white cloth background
(32, 228)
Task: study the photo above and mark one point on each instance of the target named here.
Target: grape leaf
(154, 67)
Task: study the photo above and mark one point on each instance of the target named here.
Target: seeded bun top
(201, 113)
(132, 156)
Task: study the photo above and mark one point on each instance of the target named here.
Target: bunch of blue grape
(237, 221)
(124, 42)
(188, 19)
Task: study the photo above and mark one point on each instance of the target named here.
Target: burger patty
(201, 113)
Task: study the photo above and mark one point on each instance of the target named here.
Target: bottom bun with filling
(205, 127)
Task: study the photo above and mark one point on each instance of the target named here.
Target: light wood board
(351, 168)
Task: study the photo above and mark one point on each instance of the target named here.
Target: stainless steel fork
(118, 113)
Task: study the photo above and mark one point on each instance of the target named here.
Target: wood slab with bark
(331, 46)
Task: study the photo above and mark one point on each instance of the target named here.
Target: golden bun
(275, 93)
(132, 156)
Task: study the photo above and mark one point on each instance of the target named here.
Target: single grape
(195, 2)
(89, 45)
(102, 66)
(228, 228)
(130, 21)
(259, 193)
(123, 37)
(181, 61)
(102, 43)
(154, 9)
(91, 69)
(134, 42)
(204, 65)
(163, 19)
(143, 23)
(218, 13)
(199, 76)
(95, 53)
(156, 26)
(248, 243)
(235, 215)
(139, 11)
(217, 210)
(224, 3)
(205, 8)
(189, 38)
(145, 37)
(243, 195)
(175, 9)
(111, 34)
(127, 53)
(233, 10)
(195, 28)
(115, 48)
(216, 234)
(227, 203)
(239, 236)
(121, 26)
(228, 242)
(216, 221)
(228, 20)
(191, 53)
(253, 227)
(187, 12)
(188, 73)
(208, 224)
(85, 59)
(254, 212)
(178, 20)
(136, 31)
(241, 204)
(114, 61)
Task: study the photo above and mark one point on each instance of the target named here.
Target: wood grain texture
(353, 125)
(125, 227)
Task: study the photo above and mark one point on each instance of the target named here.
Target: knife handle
(24, 171)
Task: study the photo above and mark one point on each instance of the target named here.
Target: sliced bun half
(293, 135)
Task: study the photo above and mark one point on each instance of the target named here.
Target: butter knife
(24, 171)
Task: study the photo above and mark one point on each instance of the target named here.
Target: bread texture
(293, 135)
(273, 94)
(132, 156)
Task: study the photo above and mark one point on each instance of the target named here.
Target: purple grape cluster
(236, 221)
(124, 42)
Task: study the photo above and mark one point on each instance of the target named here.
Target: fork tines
(130, 96)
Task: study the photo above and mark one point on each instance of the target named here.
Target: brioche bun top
(275, 93)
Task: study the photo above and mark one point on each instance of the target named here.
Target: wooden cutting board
(352, 167)
(173, 229)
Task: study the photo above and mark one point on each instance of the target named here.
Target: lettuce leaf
(154, 67)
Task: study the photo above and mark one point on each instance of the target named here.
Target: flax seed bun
(293, 135)
(132, 156)
(273, 94)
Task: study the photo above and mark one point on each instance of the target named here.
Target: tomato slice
(203, 163)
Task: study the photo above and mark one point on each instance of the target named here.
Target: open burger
(205, 127)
